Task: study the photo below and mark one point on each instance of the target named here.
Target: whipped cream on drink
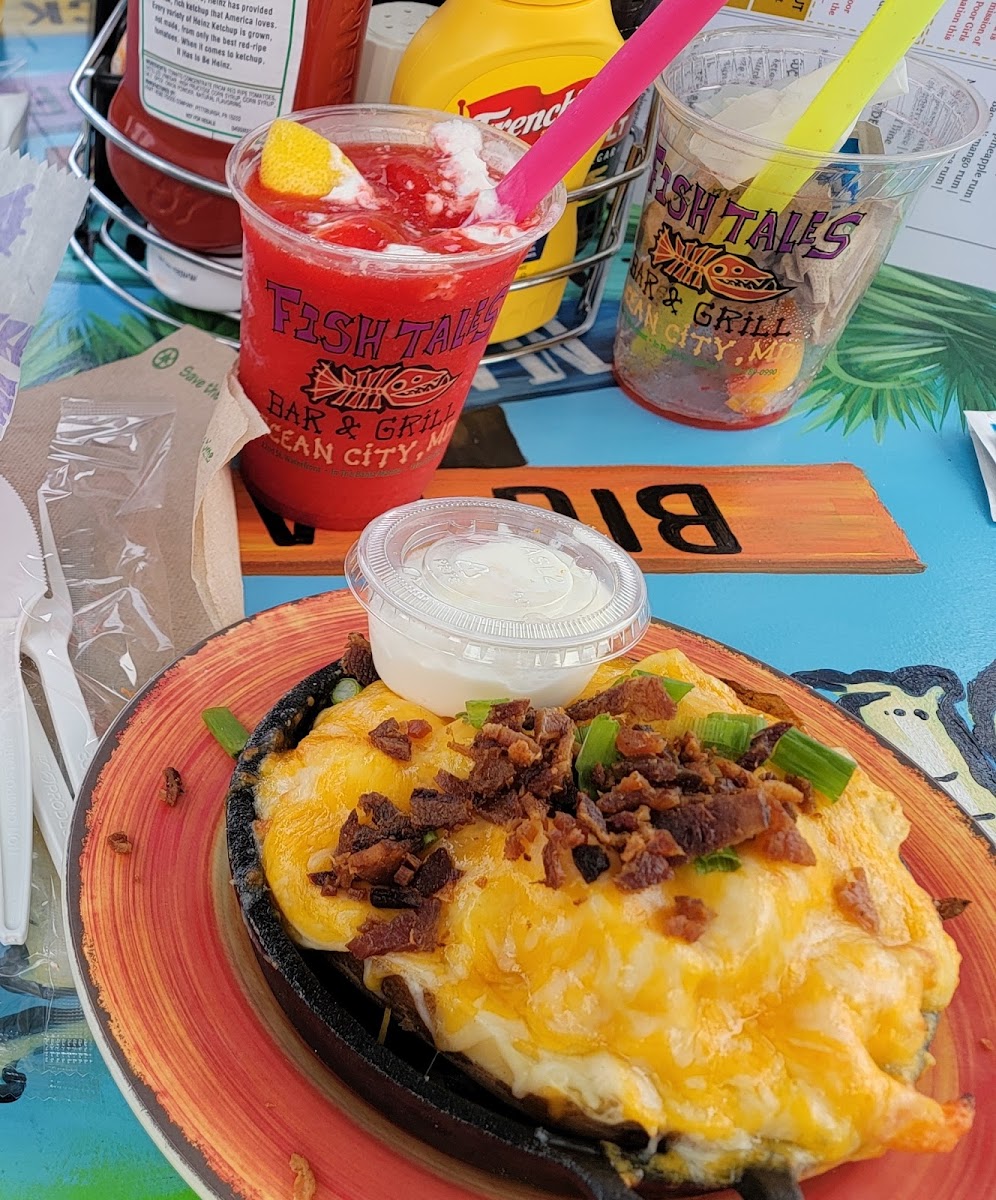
(395, 199)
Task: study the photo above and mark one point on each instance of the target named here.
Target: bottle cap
(389, 30)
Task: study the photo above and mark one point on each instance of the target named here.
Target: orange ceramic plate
(208, 1061)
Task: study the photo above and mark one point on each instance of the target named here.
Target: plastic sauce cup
(472, 599)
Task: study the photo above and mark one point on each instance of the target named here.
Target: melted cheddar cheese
(785, 1035)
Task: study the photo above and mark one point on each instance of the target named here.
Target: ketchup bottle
(199, 75)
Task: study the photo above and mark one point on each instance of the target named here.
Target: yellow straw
(859, 75)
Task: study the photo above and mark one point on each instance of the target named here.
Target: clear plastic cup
(472, 599)
(728, 311)
(360, 360)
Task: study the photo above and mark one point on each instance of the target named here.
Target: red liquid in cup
(360, 362)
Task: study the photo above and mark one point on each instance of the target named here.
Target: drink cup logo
(522, 111)
(705, 268)
(374, 388)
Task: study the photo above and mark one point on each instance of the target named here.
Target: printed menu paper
(951, 232)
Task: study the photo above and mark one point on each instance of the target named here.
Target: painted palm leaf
(916, 349)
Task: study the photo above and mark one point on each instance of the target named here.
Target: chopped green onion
(728, 733)
(719, 860)
(384, 1022)
(827, 770)
(227, 729)
(675, 688)
(477, 711)
(429, 837)
(345, 689)
(599, 746)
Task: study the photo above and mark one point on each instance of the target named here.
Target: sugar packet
(39, 208)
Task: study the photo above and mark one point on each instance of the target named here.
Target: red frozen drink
(366, 309)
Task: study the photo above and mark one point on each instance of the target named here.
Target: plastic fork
(46, 642)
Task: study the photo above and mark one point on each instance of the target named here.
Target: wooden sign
(824, 519)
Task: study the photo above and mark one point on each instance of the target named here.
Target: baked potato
(763, 1007)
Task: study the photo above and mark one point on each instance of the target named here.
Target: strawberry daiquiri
(373, 275)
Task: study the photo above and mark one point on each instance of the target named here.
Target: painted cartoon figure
(706, 268)
(915, 710)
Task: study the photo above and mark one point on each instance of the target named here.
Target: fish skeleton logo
(708, 268)
(372, 389)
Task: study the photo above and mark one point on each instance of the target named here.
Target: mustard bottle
(514, 64)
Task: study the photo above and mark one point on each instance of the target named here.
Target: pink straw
(625, 77)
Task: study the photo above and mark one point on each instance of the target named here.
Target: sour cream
(473, 599)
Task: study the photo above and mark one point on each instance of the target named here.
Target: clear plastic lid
(496, 573)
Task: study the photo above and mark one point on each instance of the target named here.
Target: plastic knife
(22, 582)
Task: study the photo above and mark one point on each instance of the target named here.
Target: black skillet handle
(594, 1176)
(599, 1181)
(759, 1184)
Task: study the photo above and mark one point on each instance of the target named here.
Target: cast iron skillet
(424, 1093)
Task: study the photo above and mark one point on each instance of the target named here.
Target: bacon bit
(406, 872)
(950, 908)
(780, 791)
(436, 873)
(643, 871)
(591, 818)
(481, 881)
(591, 861)
(438, 810)
(734, 772)
(305, 1186)
(328, 881)
(419, 729)
(781, 841)
(805, 788)
(395, 897)
(377, 863)
(553, 867)
(551, 724)
(639, 830)
(643, 698)
(413, 929)
(513, 714)
(386, 818)
(521, 838)
(634, 790)
(503, 808)
(762, 745)
(629, 822)
(357, 661)
(766, 702)
(390, 738)
(173, 787)
(348, 833)
(522, 749)
(855, 901)
(632, 742)
(987, 1044)
(688, 919)
(120, 843)
(716, 822)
